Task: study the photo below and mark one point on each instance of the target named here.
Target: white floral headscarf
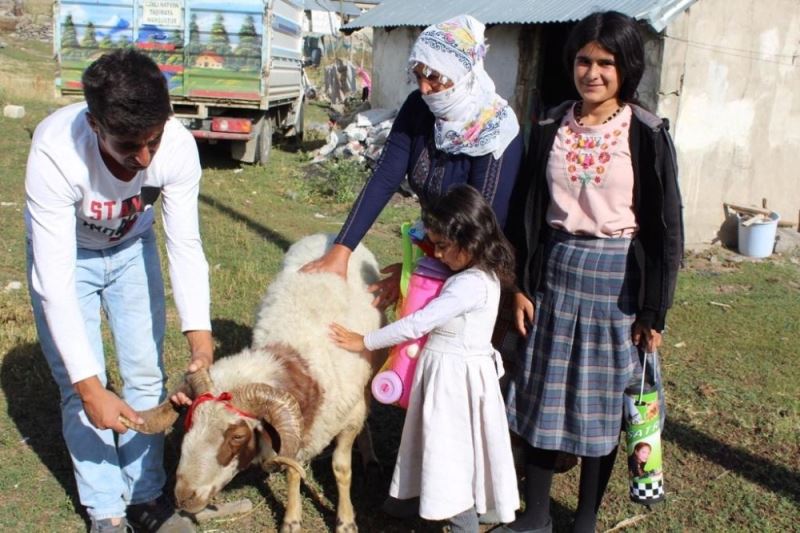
(471, 118)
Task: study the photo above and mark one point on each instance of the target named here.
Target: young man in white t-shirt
(91, 244)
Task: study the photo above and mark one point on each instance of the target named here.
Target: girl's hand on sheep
(334, 261)
(349, 340)
(387, 290)
(103, 407)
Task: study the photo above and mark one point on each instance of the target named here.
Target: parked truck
(234, 68)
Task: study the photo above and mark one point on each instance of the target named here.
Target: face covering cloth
(471, 118)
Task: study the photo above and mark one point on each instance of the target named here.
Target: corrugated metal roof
(657, 13)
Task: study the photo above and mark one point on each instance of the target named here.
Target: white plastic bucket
(758, 239)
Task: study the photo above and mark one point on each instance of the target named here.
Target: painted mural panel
(223, 52)
(86, 32)
(213, 51)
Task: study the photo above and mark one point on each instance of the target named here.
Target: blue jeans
(114, 470)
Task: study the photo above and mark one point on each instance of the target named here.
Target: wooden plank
(748, 210)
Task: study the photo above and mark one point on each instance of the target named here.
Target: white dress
(455, 451)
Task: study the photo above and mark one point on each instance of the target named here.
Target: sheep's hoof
(349, 527)
(291, 527)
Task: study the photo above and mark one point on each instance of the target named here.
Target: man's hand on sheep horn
(103, 407)
(201, 345)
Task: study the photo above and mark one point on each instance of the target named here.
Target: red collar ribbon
(224, 398)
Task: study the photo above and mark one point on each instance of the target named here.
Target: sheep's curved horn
(161, 417)
(279, 408)
(156, 420)
(199, 383)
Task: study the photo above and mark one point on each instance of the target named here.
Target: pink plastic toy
(393, 383)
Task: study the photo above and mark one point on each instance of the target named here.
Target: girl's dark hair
(617, 33)
(126, 93)
(464, 217)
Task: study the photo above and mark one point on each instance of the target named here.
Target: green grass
(732, 456)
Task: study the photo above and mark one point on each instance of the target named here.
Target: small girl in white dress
(455, 452)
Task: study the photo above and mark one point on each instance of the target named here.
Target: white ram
(283, 400)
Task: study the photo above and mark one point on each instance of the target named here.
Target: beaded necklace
(579, 112)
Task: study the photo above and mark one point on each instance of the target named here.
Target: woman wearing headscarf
(455, 129)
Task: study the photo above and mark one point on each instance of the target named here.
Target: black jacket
(657, 203)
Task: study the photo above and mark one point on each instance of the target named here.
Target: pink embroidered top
(590, 177)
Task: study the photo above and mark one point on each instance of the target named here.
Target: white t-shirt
(73, 201)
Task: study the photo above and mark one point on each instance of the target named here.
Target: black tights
(539, 468)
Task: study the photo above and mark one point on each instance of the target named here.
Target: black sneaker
(158, 516)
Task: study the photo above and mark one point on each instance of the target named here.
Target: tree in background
(69, 40)
(89, 37)
(176, 39)
(195, 46)
(106, 42)
(248, 52)
(219, 41)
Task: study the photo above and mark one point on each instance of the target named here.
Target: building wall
(392, 83)
(730, 84)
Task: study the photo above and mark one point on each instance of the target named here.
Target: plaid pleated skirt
(568, 392)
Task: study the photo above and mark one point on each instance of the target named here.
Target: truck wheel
(264, 140)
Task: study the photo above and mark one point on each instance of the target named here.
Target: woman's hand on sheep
(387, 290)
(335, 261)
(103, 407)
(344, 338)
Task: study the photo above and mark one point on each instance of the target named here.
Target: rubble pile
(362, 139)
(21, 25)
(40, 29)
